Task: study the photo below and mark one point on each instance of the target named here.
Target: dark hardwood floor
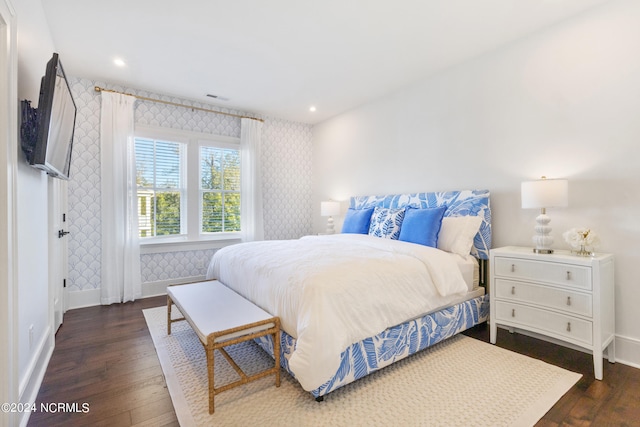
(104, 357)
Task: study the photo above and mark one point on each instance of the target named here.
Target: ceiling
(279, 57)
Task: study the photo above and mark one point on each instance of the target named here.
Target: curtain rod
(143, 98)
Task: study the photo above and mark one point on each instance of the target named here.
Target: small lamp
(541, 194)
(330, 209)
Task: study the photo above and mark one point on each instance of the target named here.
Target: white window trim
(193, 239)
(164, 246)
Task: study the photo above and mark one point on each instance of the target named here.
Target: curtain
(251, 180)
(120, 247)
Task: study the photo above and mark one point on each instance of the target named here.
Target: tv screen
(56, 122)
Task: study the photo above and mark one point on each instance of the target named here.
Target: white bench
(220, 317)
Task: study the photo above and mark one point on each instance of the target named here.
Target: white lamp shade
(329, 208)
(545, 193)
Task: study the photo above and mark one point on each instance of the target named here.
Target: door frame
(8, 215)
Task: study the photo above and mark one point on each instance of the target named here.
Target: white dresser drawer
(556, 298)
(540, 271)
(555, 324)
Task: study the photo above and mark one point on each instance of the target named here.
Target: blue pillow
(357, 221)
(386, 222)
(422, 226)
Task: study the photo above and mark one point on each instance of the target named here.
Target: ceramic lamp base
(330, 227)
(542, 240)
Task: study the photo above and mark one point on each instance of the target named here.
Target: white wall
(561, 103)
(35, 48)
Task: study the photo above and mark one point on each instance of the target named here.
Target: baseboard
(154, 289)
(80, 299)
(30, 386)
(628, 351)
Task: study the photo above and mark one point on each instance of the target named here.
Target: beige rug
(460, 382)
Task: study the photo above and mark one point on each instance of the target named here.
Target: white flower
(581, 237)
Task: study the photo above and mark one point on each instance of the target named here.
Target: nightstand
(560, 295)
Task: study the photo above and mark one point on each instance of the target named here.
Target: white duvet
(333, 291)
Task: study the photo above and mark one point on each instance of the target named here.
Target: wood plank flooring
(104, 356)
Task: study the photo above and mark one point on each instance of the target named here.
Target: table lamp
(542, 194)
(330, 208)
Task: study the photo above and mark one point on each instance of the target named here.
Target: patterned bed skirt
(393, 344)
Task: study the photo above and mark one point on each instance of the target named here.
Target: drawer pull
(513, 290)
(568, 326)
(568, 275)
(513, 312)
(568, 300)
(513, 268)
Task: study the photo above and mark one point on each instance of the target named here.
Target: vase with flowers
(582, 241)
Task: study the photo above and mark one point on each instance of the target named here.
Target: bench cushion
(212, 307)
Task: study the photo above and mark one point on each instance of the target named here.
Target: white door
(58, 230)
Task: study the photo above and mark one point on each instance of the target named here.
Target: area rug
(459, 382)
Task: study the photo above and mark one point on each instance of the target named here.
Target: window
(188, 186)
(220, 189)
(161, 190)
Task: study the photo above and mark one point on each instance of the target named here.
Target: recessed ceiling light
(312, 108)
(119, 62)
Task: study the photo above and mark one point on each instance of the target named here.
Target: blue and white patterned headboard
(458, 203)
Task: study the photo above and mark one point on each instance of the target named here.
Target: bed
(352, 303)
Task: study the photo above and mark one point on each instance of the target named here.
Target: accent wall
(287, 187)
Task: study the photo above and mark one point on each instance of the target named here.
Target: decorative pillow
(386, 222)
(422, 226)
(457, 233)
(357, 221)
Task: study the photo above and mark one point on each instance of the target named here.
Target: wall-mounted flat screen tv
(56, 122)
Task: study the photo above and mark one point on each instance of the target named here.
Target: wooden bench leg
(210, 370)
(276, 353)
(170, 303)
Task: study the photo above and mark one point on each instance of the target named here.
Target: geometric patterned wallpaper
(286, 167)
(287, 162)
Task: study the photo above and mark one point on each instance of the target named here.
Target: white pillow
(457, 233)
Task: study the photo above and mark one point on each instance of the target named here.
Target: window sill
(181, 244)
